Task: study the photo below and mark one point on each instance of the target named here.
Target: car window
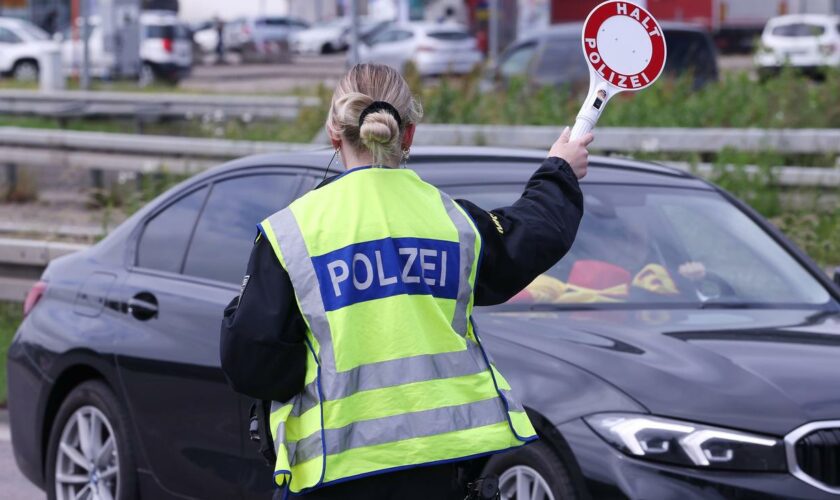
(798, 30)
(171, 31)
(165, 237)
(561, 61)
(6, 36)
(516, 61)
(382, 36)
(225, 233)
(689, 51)
(401, 35)
(35, 32)
(449, 36)
(648, 246)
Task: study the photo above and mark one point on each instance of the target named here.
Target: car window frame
(537, 43)
(133, 241)
(143, 224)
(297, 181)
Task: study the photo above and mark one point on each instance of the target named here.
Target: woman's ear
(408, 135)
(335, 141)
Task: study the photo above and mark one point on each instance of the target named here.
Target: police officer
(355, 315)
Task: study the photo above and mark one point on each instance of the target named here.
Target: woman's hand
(573, 152)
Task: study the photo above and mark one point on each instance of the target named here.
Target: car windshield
(33, 32)
(798, 30)
(642, 246)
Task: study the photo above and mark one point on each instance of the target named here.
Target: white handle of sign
(591, 110)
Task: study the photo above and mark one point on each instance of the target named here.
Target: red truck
(733, 23)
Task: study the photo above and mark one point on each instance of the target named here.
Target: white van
(165, 50)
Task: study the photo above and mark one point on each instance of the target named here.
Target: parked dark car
(645, 377)
(554, 57)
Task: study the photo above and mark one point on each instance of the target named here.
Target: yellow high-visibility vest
(383, 266)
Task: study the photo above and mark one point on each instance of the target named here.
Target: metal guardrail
(126, 152)
(146, 107)
(23, 261)
(144, 153)
(644, 139)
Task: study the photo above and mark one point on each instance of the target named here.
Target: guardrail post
(97, 178)
(11, 177)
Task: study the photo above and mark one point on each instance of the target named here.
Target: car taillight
(827, 48)
(425, 48)
(167, 45)
(34, 295)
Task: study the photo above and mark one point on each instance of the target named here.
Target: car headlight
(686, 443)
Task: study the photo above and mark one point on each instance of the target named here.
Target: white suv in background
(21, 46)
(165, 49)
(810, 42)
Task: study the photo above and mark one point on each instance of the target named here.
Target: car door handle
(143, 306)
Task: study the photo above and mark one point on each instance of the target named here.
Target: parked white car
(805, 41)
(165, 49)
(21, 46)
(322, 38)
(435, 49)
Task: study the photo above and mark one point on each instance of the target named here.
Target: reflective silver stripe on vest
(466, 243)
(401, 427)
(398, 372)
(305, 283)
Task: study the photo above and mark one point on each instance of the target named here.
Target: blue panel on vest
(388, 267)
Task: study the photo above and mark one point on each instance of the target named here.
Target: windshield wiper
(711, 304)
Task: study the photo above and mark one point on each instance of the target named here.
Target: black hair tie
(380, 106)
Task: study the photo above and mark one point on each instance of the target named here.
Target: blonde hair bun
(380, 133)
(379, 129)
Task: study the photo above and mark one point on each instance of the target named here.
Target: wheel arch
(550, 435)
(70, 371)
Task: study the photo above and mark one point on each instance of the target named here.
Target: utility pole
(493, 31)
(354, 32)
(84, 83)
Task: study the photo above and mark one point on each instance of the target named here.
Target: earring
(405, 154)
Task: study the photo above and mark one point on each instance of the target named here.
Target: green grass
(10, 317)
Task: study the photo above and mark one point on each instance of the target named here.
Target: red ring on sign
(611, 9)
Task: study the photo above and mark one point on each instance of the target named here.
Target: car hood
(767, 371)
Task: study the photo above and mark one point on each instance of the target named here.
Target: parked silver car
(435, 49)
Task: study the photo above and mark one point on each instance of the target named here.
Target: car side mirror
(837, 276)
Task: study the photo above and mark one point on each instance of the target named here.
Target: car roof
(807, 18)
(429, 26)
(490, 165)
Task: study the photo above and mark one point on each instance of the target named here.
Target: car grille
(818, 455)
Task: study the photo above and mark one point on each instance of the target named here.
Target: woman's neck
(352, 159)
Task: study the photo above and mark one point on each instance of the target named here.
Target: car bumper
(609, 474)
(26, 387)
(172, 71)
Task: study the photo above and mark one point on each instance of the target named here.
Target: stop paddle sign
(625, 49)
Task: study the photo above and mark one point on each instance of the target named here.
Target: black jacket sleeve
(262, 340)
(524, 240)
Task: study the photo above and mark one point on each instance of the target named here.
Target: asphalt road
(13, 486)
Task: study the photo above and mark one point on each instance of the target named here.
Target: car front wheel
(25, 71)
(90, 454)
(532, 472)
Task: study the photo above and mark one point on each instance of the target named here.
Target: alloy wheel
(87, 464)
(521, 482)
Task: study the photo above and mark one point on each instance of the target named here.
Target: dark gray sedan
(682, 349)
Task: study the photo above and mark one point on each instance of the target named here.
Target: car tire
(91, 413)
(147, 75)
(533, 468)
(26, 71)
